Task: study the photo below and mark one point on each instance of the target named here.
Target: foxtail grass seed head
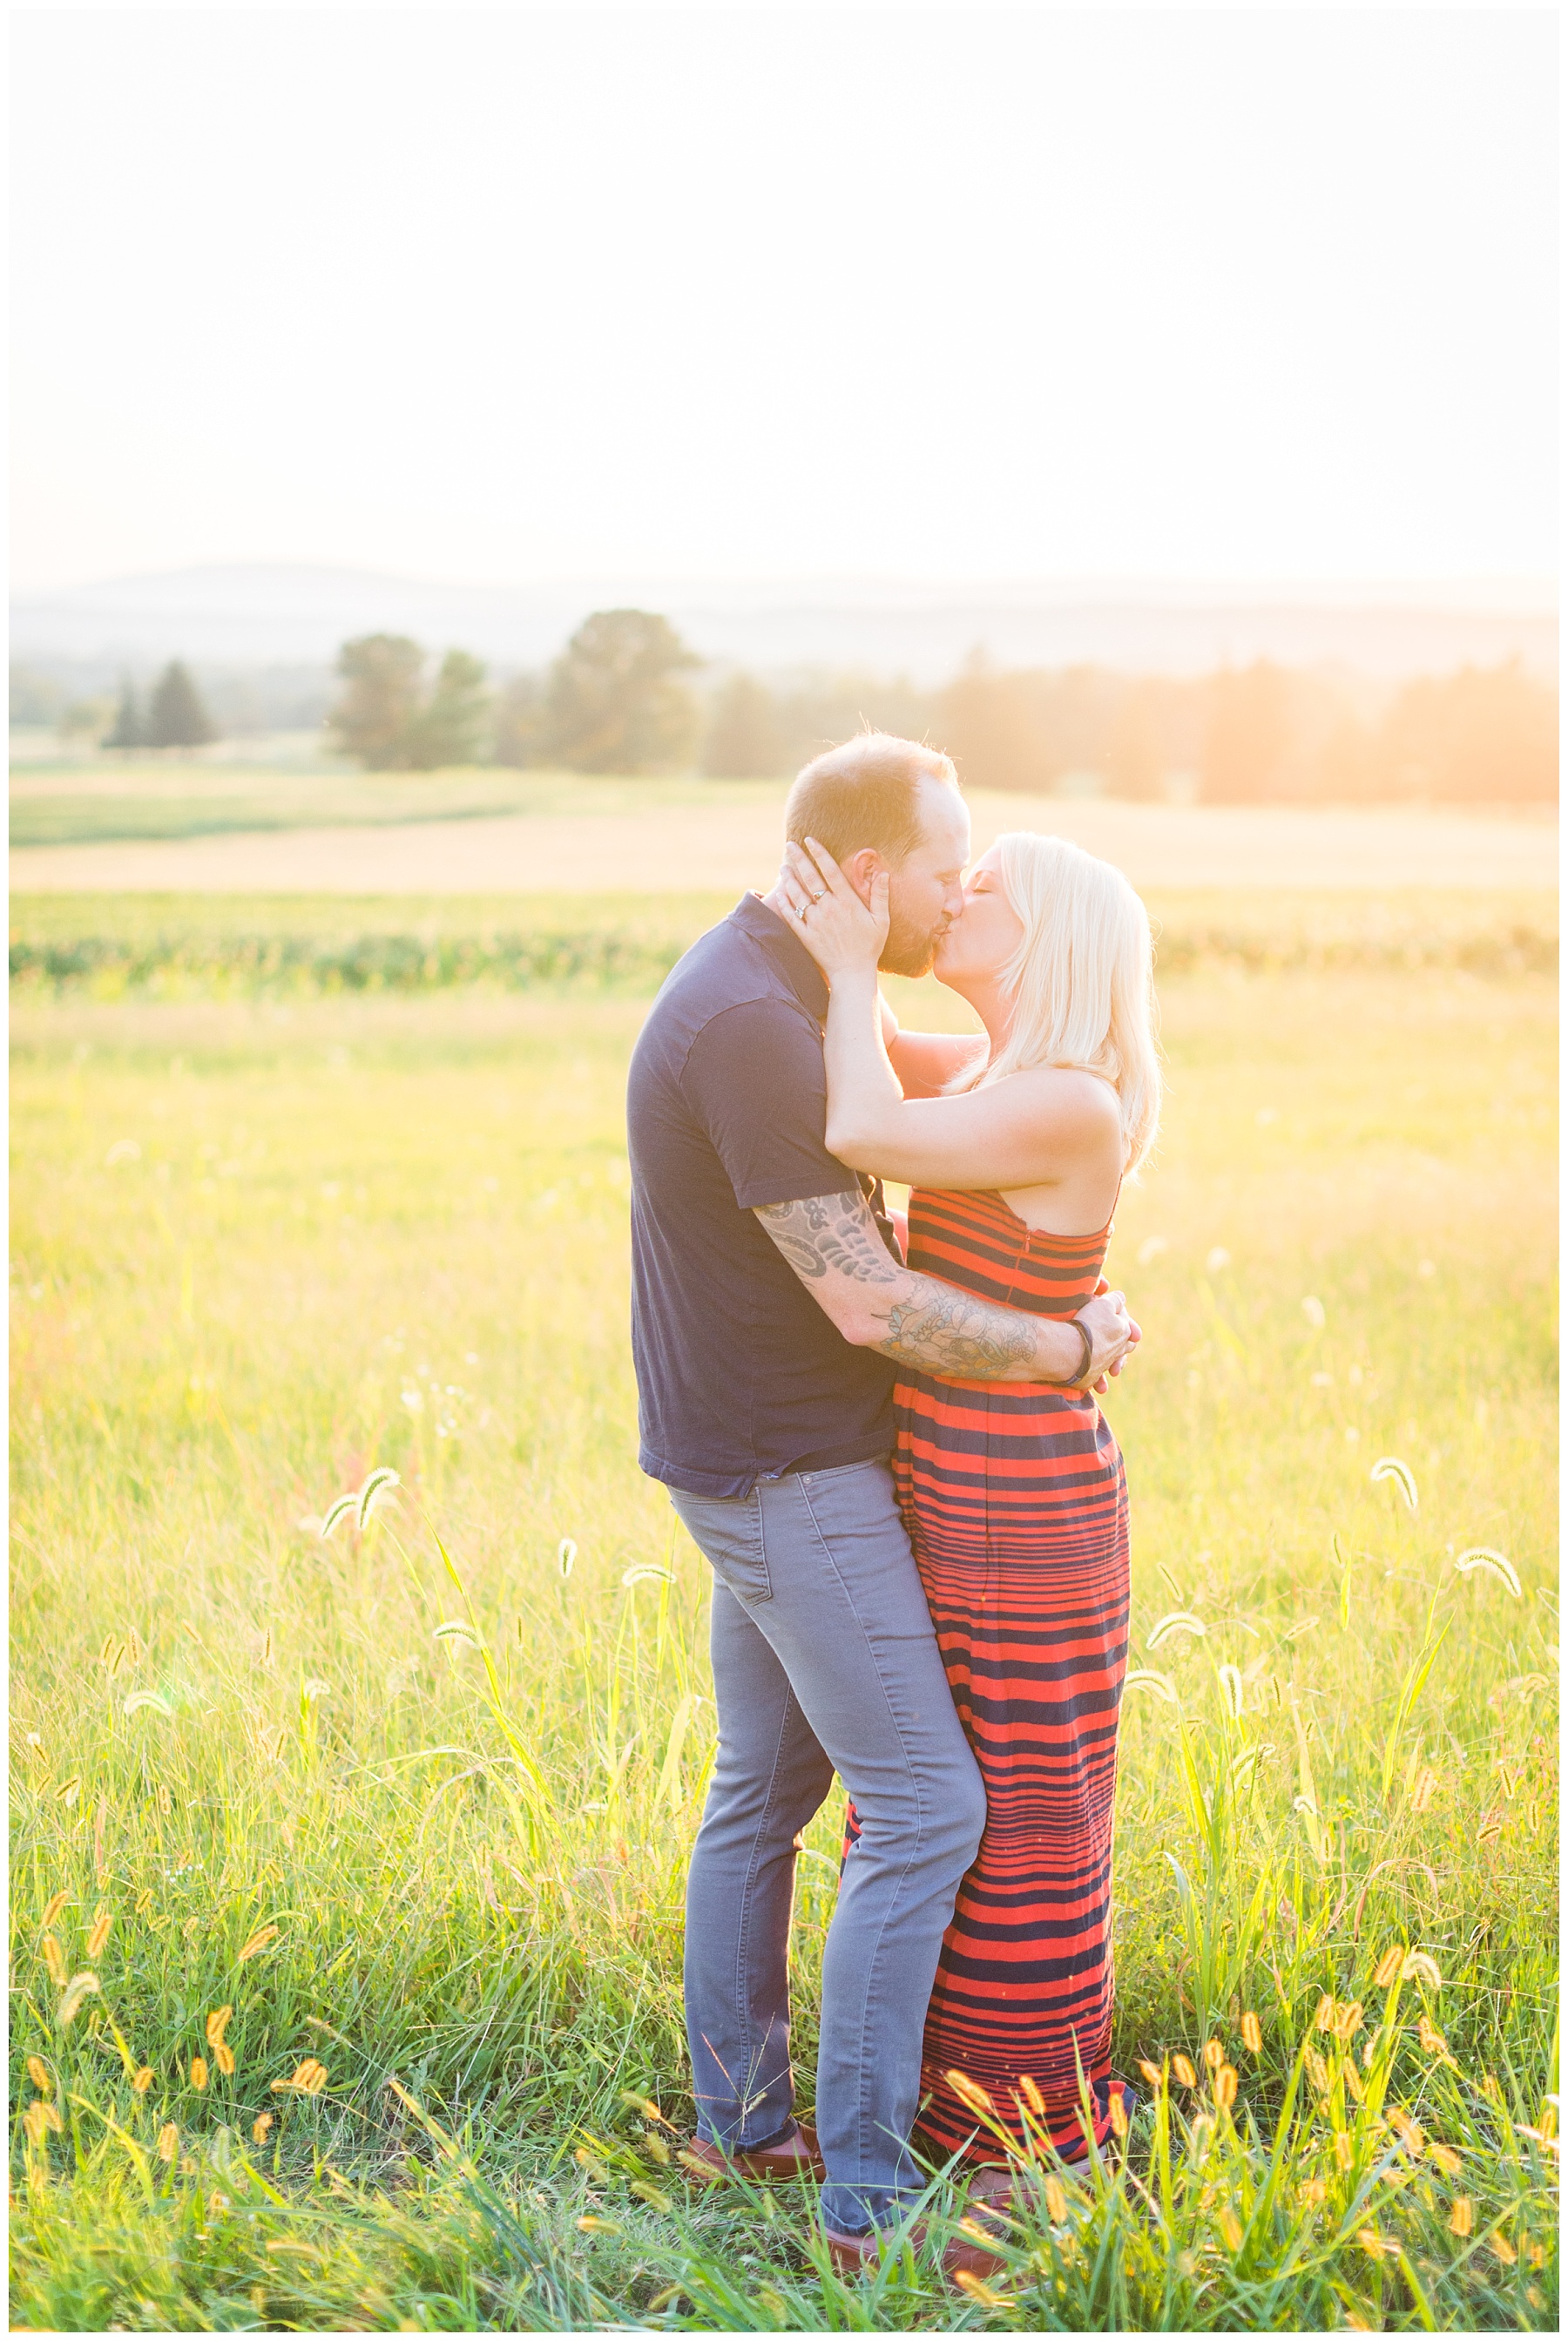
(1317, 2071)
(1119, 2114)
(54, 1959)
(309, 2079)
(982, 2292)
(1213, 2055)
(1349, 2020)
(1323, 2016)
(1230, 2227)
(1447, 2161)
(217, 2025)
(1462, 2218)
(102, 1923)
(377, 1490)
(1151, 2073)
(1389, 1467)
(257, 1943)
(224, 2057)
(1406, 2129)
(1497, 1564)
(168, 2142)
(1252, 2033)
(1503, 2250)
(142, 2079)
(54, 1905)
(1182, 2067)
(1225, 2088)
(1372, 2244)
(565, 1554)
(337, 1514)
(1175, 1622)
(1030, 2093)
(143, 1902)
(260, 2128)
(969, 2094)
(1315, 2193)
(1419, 1968)
(198, 2072)
(1342, 2150)
(1390, 1966)
(1232, 1689)
(1150, 1679)
(33, 2124)
(1315, 1314)
(81, 1987)
(39, 2075)
(1055, 2202)
(1431, 2039)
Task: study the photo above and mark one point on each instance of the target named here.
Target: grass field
(420, 1825)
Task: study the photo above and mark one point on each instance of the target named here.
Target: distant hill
(267, 615)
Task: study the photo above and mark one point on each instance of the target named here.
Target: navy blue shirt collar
(804, 978)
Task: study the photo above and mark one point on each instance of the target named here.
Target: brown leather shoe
(793, 2158)
(859, 2255)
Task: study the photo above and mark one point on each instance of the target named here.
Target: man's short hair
(865, 792)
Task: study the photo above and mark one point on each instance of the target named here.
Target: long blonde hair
(1081, 982)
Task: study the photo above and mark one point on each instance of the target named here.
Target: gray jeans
(824, 1660)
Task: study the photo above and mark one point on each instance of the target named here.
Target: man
(770, 1308)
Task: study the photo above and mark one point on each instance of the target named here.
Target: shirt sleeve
(755, 1079)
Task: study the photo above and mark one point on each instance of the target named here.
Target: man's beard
(910, 950)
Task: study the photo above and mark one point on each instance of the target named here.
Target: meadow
(348, 1844)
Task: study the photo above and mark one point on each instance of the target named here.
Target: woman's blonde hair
(1081, 982)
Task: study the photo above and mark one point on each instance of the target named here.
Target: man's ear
(860, 867)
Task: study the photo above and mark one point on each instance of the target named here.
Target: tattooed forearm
(832, 1242)
(943, 1332)
(831, 1232)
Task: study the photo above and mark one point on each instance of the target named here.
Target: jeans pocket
(728, 1532)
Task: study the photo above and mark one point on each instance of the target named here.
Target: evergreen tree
(176, 715)
(127, 731)
(614, 702)
(450, 728)
(383, 677)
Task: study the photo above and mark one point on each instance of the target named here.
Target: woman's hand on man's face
(842, 932)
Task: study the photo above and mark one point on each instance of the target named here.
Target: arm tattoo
(828, 1231)
(931, 1326)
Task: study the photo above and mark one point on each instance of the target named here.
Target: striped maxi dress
(1015, 1503)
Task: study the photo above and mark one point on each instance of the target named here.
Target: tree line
(623, 697)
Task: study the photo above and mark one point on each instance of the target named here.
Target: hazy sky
(509, 294)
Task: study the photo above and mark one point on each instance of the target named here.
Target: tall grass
(412, 1798)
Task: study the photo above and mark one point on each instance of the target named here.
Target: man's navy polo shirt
(741, 1377)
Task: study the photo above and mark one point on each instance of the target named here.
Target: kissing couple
(883, 1436)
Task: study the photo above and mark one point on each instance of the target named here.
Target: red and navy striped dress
(1015, 1503)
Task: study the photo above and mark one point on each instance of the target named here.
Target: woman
(1016, 1147)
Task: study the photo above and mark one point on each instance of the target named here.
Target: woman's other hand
(842, 932)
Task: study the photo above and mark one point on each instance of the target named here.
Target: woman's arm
(1026, 1130)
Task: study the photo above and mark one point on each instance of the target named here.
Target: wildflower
(1252, 2033)
(54, 1959)
(1462, 2218)
(142, 2079)
(1390, 1968)
(260, 2128)
(1225, 2088)
(1055, 2201)
(103, 1918)
(1184, 2072)
(168, 2142)
(198, 2072)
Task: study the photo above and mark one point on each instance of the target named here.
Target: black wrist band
(1078, 1380)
